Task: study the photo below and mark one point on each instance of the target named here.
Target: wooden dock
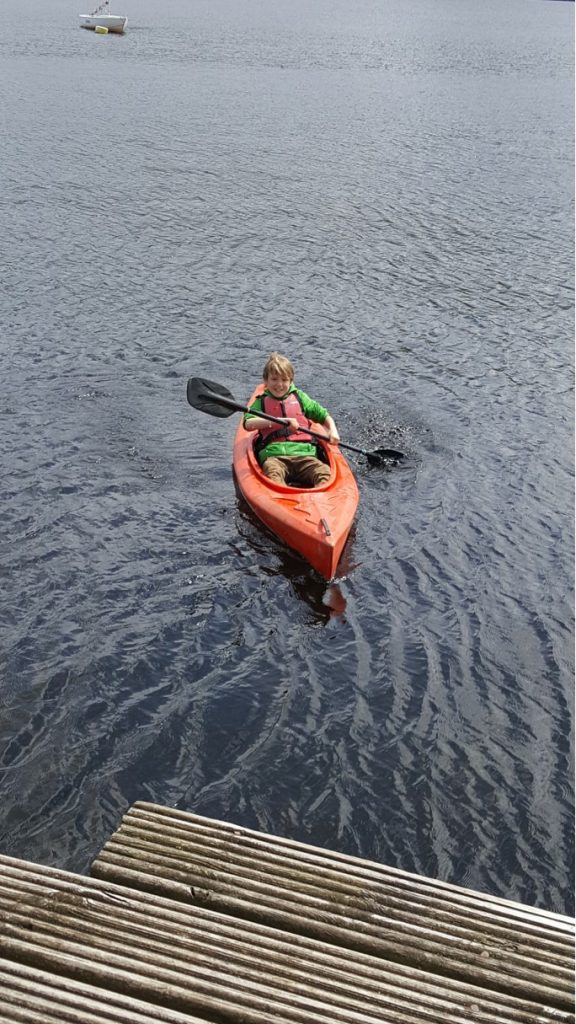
(186, 919)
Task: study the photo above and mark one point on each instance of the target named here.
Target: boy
(286, 454)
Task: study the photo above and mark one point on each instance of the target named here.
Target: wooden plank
(357, 904)
(30, 996)
(192, 960)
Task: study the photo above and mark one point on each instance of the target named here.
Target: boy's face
(277, 383)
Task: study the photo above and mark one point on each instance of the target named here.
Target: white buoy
(101, 30)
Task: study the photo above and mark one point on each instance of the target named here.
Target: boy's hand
(292, 423)
(330, 426)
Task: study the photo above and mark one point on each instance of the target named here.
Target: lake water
(383, 191)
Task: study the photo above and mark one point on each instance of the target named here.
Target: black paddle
(216, 400)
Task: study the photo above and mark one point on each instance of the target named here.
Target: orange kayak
(315, 522)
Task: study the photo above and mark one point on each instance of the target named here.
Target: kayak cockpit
(324, 453)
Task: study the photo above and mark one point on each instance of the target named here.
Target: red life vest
(288, 406)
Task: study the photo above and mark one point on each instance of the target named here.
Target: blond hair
(277, 363)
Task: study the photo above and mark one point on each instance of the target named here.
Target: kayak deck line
(190, 920)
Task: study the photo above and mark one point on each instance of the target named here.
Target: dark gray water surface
(383, 190)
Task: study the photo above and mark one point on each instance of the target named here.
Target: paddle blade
(380, 456)
(210, 397)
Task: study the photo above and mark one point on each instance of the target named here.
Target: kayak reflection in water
(287, 454)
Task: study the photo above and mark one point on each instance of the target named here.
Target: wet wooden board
(191, 960)
(359, 905)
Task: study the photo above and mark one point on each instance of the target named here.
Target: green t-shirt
(311, 409)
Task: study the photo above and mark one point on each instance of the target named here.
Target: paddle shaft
(216, 400)
(220, 400)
